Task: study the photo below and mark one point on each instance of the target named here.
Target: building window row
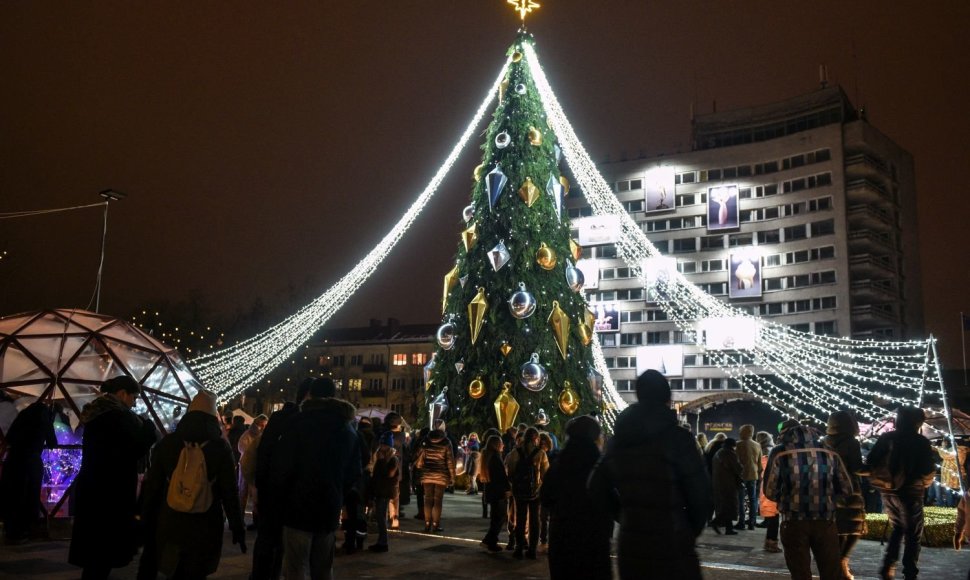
(799, 281)
(786, 210)
(615, 273)
(621, 362)
(764, 168)
(796, 306)
(614, 295)
(627, 185)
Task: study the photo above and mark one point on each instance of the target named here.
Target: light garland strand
(231, 370)
(816, 368)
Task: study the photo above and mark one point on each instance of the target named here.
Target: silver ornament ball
(502, 140)
(468, 214)
(446, 335)
(522, 304)
(533, 375)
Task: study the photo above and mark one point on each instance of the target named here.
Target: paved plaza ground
(456, 554)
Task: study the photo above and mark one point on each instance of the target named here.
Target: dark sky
(267, 144)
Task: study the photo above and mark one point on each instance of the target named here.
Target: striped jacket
(804, 478)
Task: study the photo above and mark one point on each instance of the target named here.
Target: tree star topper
(523, 7)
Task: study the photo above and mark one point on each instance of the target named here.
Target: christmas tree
(516, 328)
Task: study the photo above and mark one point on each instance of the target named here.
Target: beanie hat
(387, 438)
(204, 401)
(787, 424)
(653, 388)
(322, 388)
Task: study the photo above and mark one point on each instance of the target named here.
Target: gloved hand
(239, 537)
(957, 541)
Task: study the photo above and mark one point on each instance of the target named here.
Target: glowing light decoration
(231, 370)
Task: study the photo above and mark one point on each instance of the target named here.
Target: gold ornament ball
(516, 56)
(477, 174)
(535, 137)
(568, 399)
(546, 257)
(476, 388)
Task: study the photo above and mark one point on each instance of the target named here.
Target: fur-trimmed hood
(337, 407)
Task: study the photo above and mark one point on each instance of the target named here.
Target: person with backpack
(385, 486)
(437, 465)
(189, 492)
(901, 465)
(115, 440)
(315, 465)
(526, 467)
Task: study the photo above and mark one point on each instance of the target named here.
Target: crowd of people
(314, 469)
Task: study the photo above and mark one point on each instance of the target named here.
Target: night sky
(270, 145)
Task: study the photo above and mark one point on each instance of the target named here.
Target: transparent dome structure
(66, 354)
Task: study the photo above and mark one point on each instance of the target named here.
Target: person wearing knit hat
(385, 485)
(191, 543)
(204, 401)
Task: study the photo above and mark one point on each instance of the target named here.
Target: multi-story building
(818, 201)
(378, 366)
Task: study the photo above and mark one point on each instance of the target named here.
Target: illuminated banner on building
(744, 277)
(730, 333)
(667, 359)
(658, 188)
(657, 269)
(597, 230)
(607, 317)
(722, 208)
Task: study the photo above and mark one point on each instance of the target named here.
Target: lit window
(399, 360)
(419, 358)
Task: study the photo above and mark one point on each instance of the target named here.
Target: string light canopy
(797, 373)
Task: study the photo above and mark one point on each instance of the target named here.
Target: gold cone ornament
(576, 250)
(470, 237)
(476, 388)
(590, 319)
(546, 257)
(502, 88)
(477, 174)
(584, 333)
(560, 327)
(476, 313)
(565, 184)
(506, 409)
(529, 192)
(451, 278)
(535, 137)
(505, 349)
(568, 399)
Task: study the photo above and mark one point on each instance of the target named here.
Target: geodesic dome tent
(66, 354)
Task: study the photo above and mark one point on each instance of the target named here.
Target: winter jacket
(654, 483)
(540, 464)
(192, 540)
(907, 453)
(386, 478)
(404, 456)
(726, 478)
(315, 464)
(105, 503)
(270, 514)
(804, 478)
(579, 532)
(498, 486)
(850, 510)
(766, 507)
(435, 460)
(749, 454)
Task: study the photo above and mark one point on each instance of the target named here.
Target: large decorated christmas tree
(516, 329)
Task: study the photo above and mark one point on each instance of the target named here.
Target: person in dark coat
(437, 465)
(189, 545)
(416, 472)
(497, 490)
(23, 470)
(850, 510)
(236, 430)
(394, 423)
(386, 485)
(911, 461)
(105, 490)
(654, 482)
(315, 464)
(579, 532)
(268, 547)
(726, 479)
